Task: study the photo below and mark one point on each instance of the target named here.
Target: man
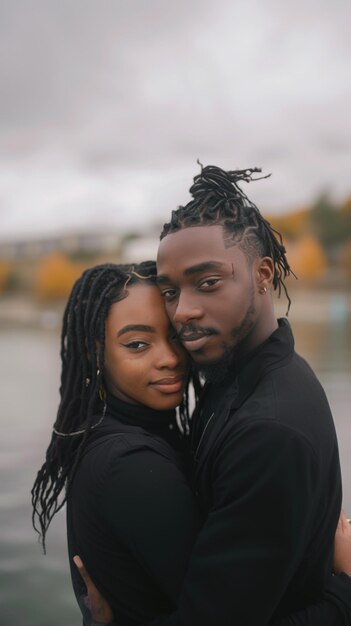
(266, 464)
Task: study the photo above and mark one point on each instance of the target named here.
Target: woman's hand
(99, 608)
(342, 547)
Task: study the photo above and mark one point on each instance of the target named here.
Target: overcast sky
(106, 105)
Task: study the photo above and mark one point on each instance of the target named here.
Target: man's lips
(192, 336)
(195, 339)
(193, 343)
(169, 384)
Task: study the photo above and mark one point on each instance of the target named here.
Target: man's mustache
(190, 332)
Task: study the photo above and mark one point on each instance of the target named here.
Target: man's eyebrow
(194, 269)
(203, 267)
(129, 327)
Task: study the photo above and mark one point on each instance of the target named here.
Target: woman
(116, 453)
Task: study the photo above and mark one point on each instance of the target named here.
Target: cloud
(108, 105)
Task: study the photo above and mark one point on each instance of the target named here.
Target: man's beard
(216, 371)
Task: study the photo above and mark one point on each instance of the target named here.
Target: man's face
(209, 291)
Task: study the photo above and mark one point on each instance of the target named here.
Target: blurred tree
(88, 257)
(55, 277)
(346, 206)
(345, 213)
(293, 225)
(345, 259)
(5, 275)
(307, 258)
(330, 224)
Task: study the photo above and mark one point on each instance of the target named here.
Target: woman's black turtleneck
(131, 514)
(160, 423)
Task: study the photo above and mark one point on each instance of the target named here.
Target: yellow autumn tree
(307, 258)
(5, 270)
(55, 277)
(346, 206)
(291, 225)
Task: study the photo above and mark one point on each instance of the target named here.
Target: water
(35, 589)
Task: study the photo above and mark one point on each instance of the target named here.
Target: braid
(82, 331)
(82, 395)
(218, 199)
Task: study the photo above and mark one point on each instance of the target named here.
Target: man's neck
(216, 372)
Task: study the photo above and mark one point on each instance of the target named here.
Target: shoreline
(310, 304)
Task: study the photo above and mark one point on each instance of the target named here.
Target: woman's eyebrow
(162, 278)
(129, 327)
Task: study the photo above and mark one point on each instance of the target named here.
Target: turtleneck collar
(140, 415)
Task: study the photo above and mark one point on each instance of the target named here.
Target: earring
(263, 290)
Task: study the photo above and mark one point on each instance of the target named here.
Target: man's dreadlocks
(218, 199)
(82, 405)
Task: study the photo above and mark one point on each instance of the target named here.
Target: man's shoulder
(283, 391)
(290, 400)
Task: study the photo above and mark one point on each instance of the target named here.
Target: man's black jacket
(268, 483)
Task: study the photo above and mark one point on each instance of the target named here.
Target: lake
(35, 589)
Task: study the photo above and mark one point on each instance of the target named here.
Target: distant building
(140, 249)
(91, 242)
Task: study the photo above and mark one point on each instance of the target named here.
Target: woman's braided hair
(217, 198)
(82, 394)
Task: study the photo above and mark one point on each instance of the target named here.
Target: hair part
(217, 198)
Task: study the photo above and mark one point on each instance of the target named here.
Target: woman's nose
(170, 356)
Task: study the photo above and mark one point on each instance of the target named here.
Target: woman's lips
(169, 384)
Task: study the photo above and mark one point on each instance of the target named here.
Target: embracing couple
(227, 518)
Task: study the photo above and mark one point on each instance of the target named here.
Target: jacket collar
(240, 384)
(278, 348)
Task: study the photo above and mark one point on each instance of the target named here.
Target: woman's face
(144, 362)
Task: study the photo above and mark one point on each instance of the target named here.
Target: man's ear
(264, 274)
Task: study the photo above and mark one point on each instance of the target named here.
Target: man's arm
(97, 605)
(240, 569)
(334, 610)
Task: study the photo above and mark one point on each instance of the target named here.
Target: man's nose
(186, 310)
